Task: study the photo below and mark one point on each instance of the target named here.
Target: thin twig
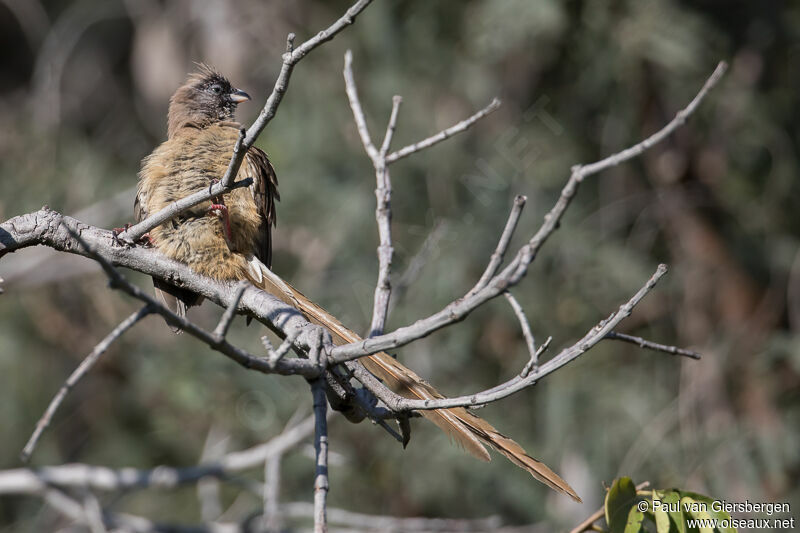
(530, 341)
(580, 172)
(444, 134)
(502, 245)
(355, 106)
(321, 447)
(85, 366)
(274, 356)
(680, 119)
(533, 364)
(137, 231)
(225, 322)
(650, 345)
(390, 127)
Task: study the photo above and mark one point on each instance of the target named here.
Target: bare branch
(355, 105)
(137, 231)
(94, 477)
(85, 366)
(390, 127)
(225, 322)
(524, 325)
(444, 134)
(383, 216)
(518, 267)
(223, 346)
(505, 239)
(680, 119)
(383, 195)
(579, 172)
(321, 447)
(533, 364)
(517, 383)
(650, 345)
(274, 356)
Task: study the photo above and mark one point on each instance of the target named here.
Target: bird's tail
(469, 431)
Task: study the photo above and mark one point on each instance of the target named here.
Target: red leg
(221, 210)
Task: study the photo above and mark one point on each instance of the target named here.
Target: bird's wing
(265, 194)
(140, 204)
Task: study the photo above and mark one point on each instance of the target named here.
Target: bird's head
(206, 97)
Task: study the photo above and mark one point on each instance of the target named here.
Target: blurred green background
(84, 87)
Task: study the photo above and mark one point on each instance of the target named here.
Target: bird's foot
(221, 210)
(116, 232)
(145, 240)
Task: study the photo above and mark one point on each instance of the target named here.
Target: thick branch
(45, 227)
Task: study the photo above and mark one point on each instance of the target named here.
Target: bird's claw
(145, 240)
(221, 210)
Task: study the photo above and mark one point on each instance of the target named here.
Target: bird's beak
(239, 96)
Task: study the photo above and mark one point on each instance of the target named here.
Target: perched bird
(230, 239)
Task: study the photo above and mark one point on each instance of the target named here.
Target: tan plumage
(199, 148)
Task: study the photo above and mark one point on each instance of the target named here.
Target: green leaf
(660, 515)
(718, 515)
(697, 509)
(634, 522)
(671, 499)
(619, 500)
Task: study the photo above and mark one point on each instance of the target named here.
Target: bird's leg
(219, 209)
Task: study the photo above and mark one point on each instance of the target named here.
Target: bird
(229, 239)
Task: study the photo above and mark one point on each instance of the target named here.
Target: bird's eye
(216, 88)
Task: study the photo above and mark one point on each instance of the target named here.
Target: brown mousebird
(230, 240)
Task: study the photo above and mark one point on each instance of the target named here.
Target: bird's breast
(203, 239)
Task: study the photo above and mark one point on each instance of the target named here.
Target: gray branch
(83, 368)
(464, 125)
(101, 478)
(321, 485)
(518, 267)
(383, 195)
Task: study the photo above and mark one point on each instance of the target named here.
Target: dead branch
(85, 366)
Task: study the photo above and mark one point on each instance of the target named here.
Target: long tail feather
(466, 429)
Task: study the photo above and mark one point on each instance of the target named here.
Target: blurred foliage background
(84, 87)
